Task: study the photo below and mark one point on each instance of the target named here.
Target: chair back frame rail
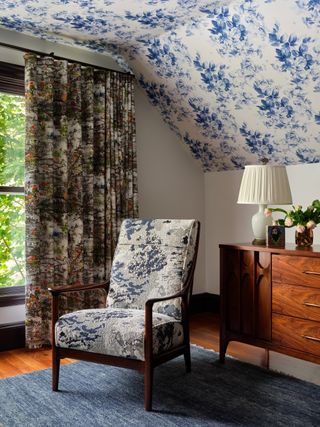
(150, 361)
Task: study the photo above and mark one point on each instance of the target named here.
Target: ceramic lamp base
(259, 224)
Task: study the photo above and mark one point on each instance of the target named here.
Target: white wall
(227, 222)
(170, 181)
(171, 184)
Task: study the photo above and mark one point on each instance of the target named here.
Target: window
(12, 219)
(12, 121)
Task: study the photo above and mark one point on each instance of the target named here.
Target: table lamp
(263, 185)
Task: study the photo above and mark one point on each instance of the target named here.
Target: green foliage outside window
(12, 216)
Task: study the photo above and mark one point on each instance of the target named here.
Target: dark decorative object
(276, 236)
(304, 238)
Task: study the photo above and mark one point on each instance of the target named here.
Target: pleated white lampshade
(264, 184)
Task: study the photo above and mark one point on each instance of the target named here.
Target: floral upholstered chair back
(152, 259)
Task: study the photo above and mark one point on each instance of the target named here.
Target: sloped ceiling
(236, 80)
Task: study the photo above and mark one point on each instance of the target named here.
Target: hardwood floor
(21, 361)
(204, 332)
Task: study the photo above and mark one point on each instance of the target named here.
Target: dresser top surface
(289, 249)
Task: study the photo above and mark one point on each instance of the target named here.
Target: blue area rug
(233, 394)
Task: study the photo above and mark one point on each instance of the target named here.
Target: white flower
(311, 224)
(267, 212)
(288, 222)
(298, 208)
(300, 228)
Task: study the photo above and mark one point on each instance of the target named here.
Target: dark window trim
(12, 190)
(12, 79)
(13, 295)
(12, 82)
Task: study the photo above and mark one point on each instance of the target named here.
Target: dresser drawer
(298, 334)
(297, 301)
(296, 270)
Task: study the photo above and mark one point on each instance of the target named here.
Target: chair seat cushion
(116, 332)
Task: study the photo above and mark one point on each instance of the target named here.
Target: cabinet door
(246, 292)
(230, 288)
(255, 294)
(247, 302)
(263, 296)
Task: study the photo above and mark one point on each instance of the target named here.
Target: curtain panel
(81, 182)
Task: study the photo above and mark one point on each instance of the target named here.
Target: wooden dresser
(271, 298)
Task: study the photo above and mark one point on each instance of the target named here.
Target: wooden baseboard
(205, 303)
(12, 335)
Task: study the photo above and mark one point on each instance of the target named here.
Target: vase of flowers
(305, 237)
(305, 221)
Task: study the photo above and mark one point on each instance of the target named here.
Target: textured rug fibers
(233, 394)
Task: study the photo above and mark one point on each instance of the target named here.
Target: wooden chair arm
(179, 294)
(55, 292)
(148, 317)
(75, 288)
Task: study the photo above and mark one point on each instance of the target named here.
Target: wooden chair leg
(223, 350)
(148, 380)
(55, 370)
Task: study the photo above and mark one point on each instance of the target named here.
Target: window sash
(12, 295)
(12, 79)
(12, 82)
(19, 191)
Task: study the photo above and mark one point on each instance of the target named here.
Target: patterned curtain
(81, 181)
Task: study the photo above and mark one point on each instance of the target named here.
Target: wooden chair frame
(150, 361)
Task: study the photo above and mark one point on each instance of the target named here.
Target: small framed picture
(276, 236)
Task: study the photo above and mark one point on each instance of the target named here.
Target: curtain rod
(36, 52)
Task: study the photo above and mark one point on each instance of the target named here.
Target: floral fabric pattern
(116, 332)
(152, 259)
(81, 181)
(237, 80)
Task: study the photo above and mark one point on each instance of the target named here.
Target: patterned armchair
(145, 321)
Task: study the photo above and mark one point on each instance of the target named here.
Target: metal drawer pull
(311, 304)
(314, 273)
(307, 337)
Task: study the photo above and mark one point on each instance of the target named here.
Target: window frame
(12, 83)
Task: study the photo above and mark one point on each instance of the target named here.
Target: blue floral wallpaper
(236, 80)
